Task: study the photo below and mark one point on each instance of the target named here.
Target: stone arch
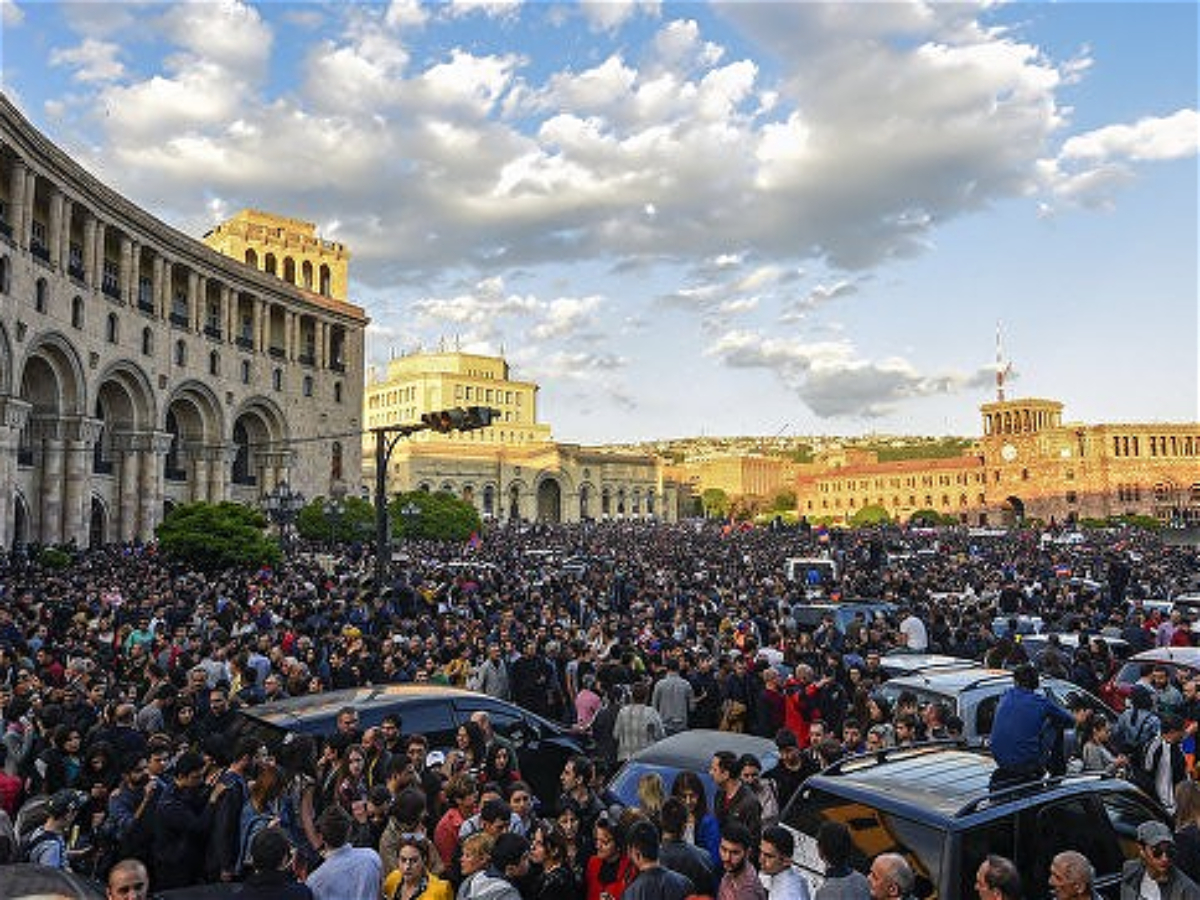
(194, 420)
(289, 270)
(21, 520)
(1013, 511)
(259, 435)
(125, 403)
(549, 500)
(513, 495)
(306, 275)
(251, 257)
(52, 377)
(587, 492)
(97, 523)
(269, 264)
(489, 500)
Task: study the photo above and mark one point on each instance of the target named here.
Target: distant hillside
(801, 448)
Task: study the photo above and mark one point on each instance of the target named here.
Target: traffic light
(459, 419)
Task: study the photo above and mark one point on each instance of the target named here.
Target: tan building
(740, 475)
(1029, 463)
(511, 471)
(140, 368)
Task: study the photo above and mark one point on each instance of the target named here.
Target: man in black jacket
(272, 878)
(184, 816)
(224, 843)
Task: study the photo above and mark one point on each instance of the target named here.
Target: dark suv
(931, 803)
(543, 748)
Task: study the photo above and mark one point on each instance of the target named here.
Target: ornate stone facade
(1028, 463)
(140, 368)
(511, 470)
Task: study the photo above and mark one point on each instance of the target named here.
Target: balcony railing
(213, 332)
(102, 466)
(5, 229)
(277, 352)
(40, 251)
(75, 270)
(173, 474)
(111, 289)
(179, 320)
(246, 480)
(244, 343)
(338, 366)
(307, 359)
(146, 306)
(25, 456)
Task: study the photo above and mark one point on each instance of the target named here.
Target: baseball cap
(1153, 833)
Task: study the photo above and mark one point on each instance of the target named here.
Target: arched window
(269, 263)
(277, 379)
(214, 363)
(326, 281)
(306, 275)
(251, 258)
(337, 392)
(5, 275)
(289, 270)
(147, 342)
(112, 329)
(180, 353)
(308, 385)
(41, 295)
(77, 312)
(489, 500)
(246, 371)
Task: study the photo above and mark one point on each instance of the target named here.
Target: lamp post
(282, 504)
(412, 514)
(332, 507)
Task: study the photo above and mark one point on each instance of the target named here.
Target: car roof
(686, 749)
(920, 662)
(282, 712)
(1184, 656)
(938, 784)
(952, 680)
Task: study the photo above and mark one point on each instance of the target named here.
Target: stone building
(513, 470)
(140, 368)
(741, 475)
(1028, 463)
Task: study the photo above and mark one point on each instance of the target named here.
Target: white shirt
(917, 638)
(787, 885)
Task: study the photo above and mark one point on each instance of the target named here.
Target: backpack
(252, 822)
(35, 840)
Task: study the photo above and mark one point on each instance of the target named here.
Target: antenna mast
(1003, 369)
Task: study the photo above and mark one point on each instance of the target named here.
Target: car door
(1069, 823)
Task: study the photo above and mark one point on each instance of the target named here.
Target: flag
(474, 541)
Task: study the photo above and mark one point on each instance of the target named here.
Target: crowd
(121, 676)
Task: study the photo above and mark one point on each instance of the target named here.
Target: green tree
(870, 515)
(784, 501)
(217, 536)
(355, 522)
(930, 518)
(443, 517)
(715, 502)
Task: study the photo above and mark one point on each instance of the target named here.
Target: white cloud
(609, 15)
(11, 15)
(495, 9)
(567, 317)
(1153, 138)
(832, 379)
(225, 33)
(93, 60)
(406, 14)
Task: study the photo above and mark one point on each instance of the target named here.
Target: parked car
(435, 711)
(692, 750)
(1182, 663)
(974, 693)
(932, 805)
(1069, 641)
(808, 616)
(900, 662)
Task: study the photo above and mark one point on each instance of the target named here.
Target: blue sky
(739, 218)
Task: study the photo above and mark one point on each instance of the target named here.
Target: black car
(435, 711)
(931, 804)
(692, 750)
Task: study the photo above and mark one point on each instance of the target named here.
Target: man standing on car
(1153, 873)
(1025, 730)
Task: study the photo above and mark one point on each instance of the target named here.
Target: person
(347, 873)
(740, 880)
(47, 845)
(997, 878)
(481, 881)
(1072, 877)
(412, 879)
(1162, 765)
(1152, 873)
(609, 871)
(762, 789)
(681, 856)
(130, 822)
(701, 828)
(128, 880)
(182, 822)
(673, 698)
(510, 862)
(890, 877)
(653, 880)
(462, 798)
(1026, 729)
(788, 773)
(549, 851)
(775, 857)
(841, 881)
(1187, 828)
(1138, 723)
(651, 794)
(576, 779)
(734, 801)
(1096, 754)
(224, 841)
(638, 725)
(271, 878)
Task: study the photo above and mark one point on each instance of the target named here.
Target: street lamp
(282, 505)
(412, 514)
(332, 507)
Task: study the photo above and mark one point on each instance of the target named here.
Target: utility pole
(386, 438)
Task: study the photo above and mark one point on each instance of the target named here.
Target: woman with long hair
(298, 815)
(351, 779)
(652, 793)
(549, 850)
(1095, 749)
(499, 766)
(701, 828)
(470, 740)
(569, 820)
(412, 878)
(1187, 828)
(609, 870)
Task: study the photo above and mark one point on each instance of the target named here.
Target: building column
(155, 446)
(193, 300)
(159, 290)
(259, 331)
(221, 464)
(226, 320)
(125, 276)
(54, 227)
(48, 445)
(98, 255)
(291, 331)
(128, 490)
(81, 435)
(27, 215)
(322, 344)
(14, 414)
(16, 194)
(89, 251)
(197, 458)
